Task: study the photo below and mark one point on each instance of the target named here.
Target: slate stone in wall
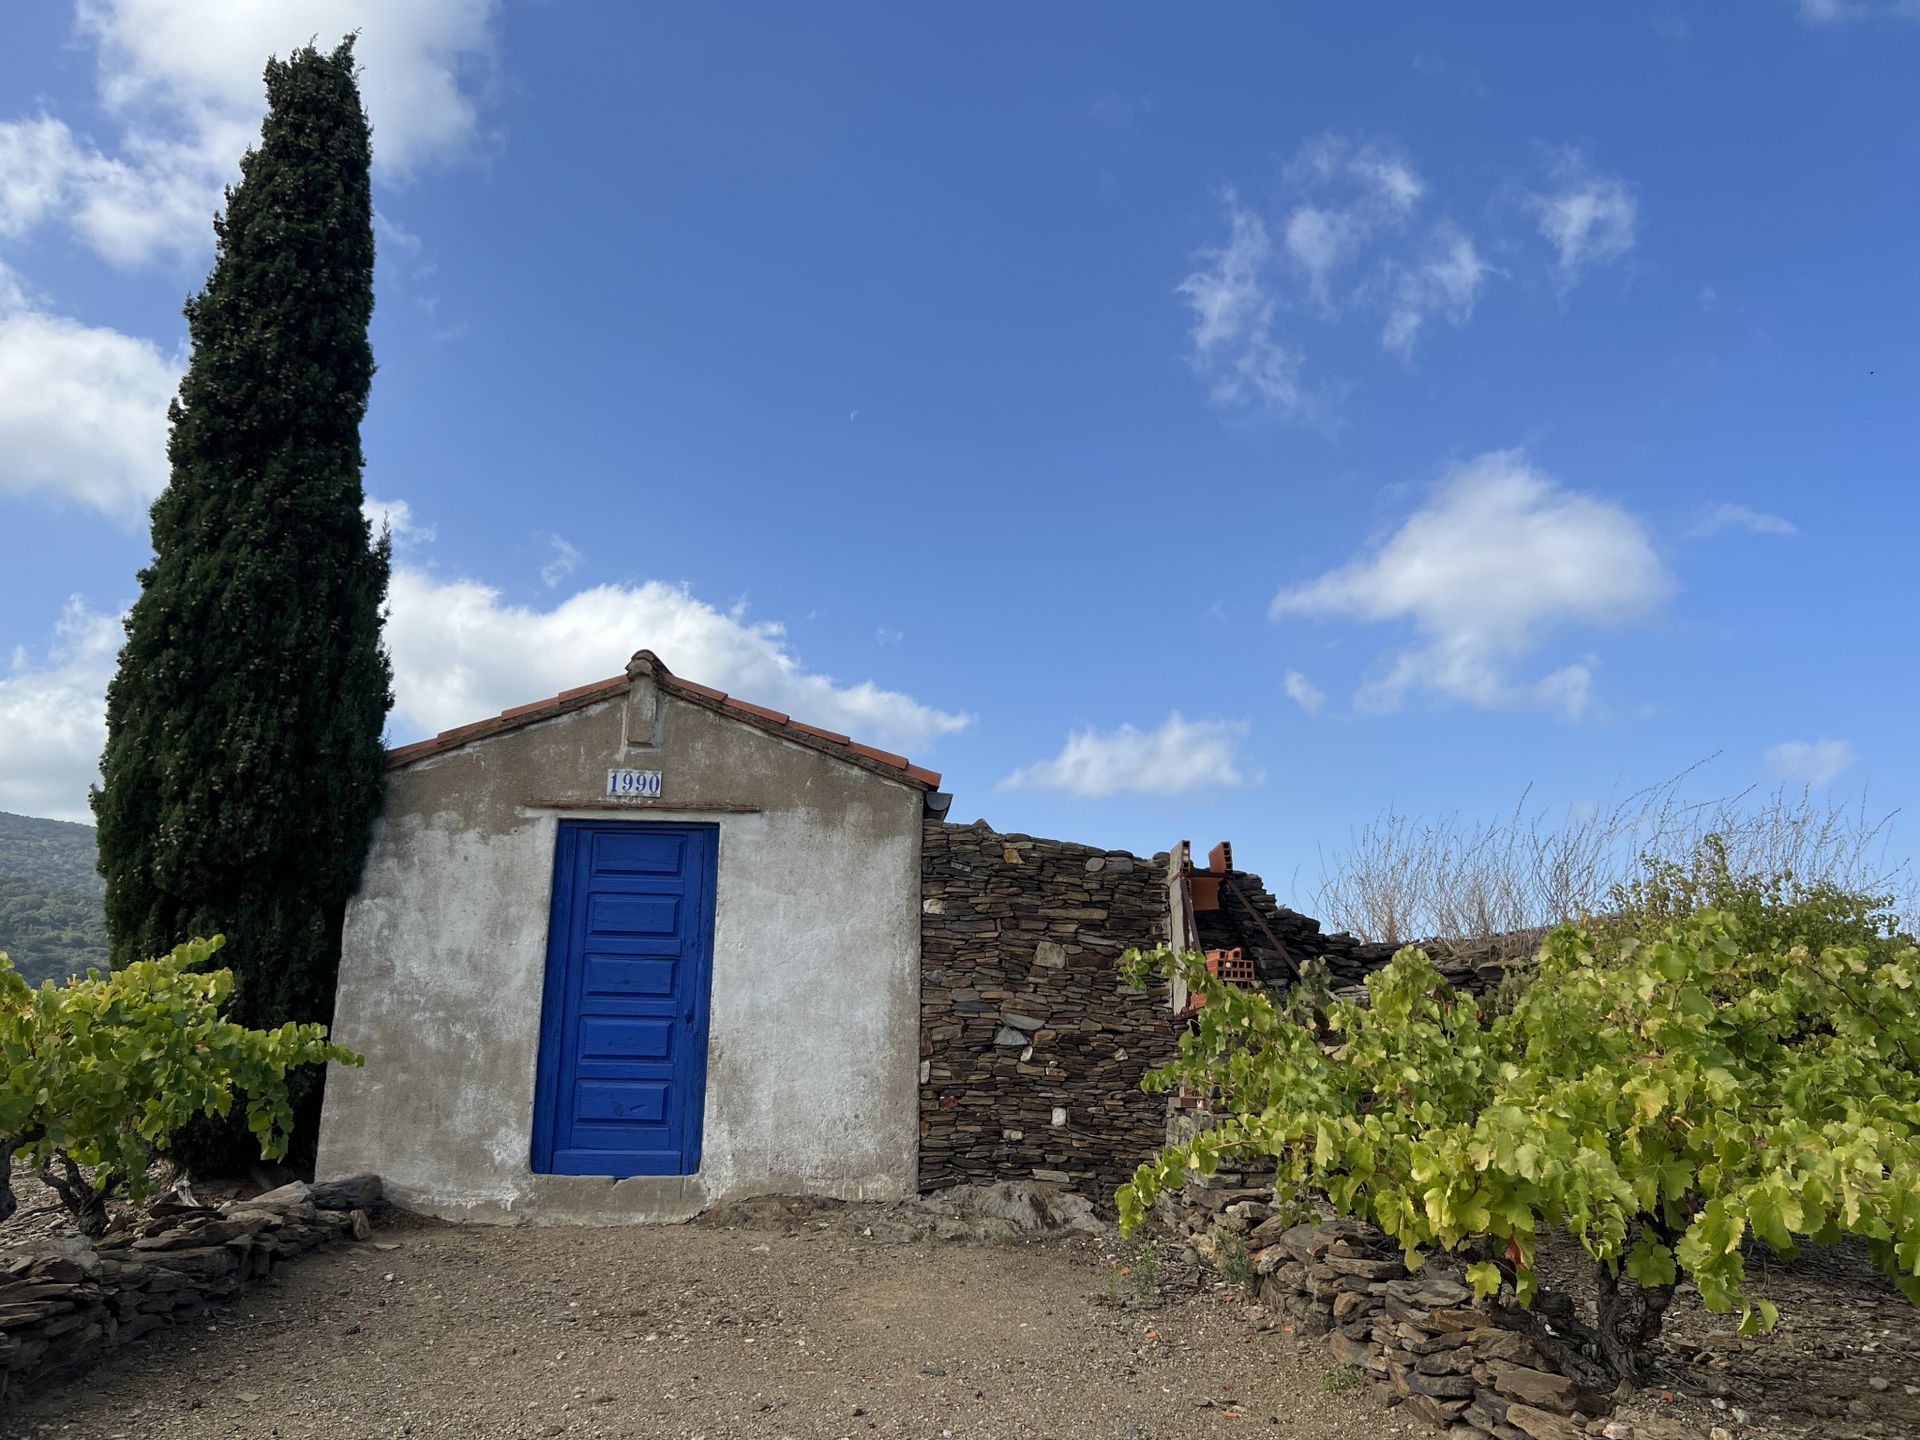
(1419, 1335)
(1031, 1047)
(1251, 919)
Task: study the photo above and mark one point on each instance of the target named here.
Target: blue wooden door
(623, 1037)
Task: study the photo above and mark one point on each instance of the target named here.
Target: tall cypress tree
(243, 765)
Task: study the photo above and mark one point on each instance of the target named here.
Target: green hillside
(51, 924)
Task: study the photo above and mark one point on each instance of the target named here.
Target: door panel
(623, 1044)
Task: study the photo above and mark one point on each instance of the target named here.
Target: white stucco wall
(814, 1028)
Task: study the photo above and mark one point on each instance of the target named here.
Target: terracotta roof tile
(613, 686)
(814, 730)
(885, 757)
(471, 731)
(774, 722)
(778, 717)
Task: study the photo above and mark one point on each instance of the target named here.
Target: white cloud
(396, 517)
(83, 409)
(1446, 283)
(1815, 763)
(565, 560)
(1498, 556)
(1234, 349)
(1347, 238)
(394, 236)
(183, 80)
(37, 158)
(461, 653)
(1358, 192)
(53, 717)
(1380, 181)
(1320, 242)
(1179, 756)
(200, 61)
(1589, 219)
(1226, 296)
(1304, 693)
(1725, 516)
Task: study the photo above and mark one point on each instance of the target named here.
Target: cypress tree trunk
(243, 766)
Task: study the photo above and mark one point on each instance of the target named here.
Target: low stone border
(64, 1306)
(1420, 1335)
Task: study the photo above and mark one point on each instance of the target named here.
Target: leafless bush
(1399, 879)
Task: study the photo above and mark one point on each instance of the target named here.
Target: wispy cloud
(1176, 757)
(1232, 343)
(1435, 65)
(1815, 763)
(1446, 283)
(565, 559)
(1829, 12)
(1114, 110)
(1498, 557)
(1304, 693)
(1349, 237)
(1588, 218)
(1722, 515)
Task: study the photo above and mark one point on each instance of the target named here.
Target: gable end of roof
(884, 763)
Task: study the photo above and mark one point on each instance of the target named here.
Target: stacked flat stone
(1476, 966)
(1031, 1046)
(1420, 1336)
(63, 1308)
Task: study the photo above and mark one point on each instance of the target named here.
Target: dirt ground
(1842, 1364)
(803, 1329)
(794, 1318)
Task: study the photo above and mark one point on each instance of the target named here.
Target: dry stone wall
(1251, 919)
(66, 1306)
(1420, 1335)
(1031, 1046)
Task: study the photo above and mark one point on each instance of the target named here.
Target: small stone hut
(630, 950)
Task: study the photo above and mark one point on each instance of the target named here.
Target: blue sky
(1167, 423)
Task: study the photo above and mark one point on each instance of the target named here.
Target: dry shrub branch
(1400, 879)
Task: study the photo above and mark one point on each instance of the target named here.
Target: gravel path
(805, 1329)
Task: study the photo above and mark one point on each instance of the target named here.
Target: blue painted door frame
(622, 1078)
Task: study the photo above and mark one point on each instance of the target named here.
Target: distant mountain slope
(54, 852)
(51, 924)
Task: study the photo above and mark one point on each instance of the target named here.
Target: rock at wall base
(1347, 1350)
(1438, 1413)
(1544, 1424)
